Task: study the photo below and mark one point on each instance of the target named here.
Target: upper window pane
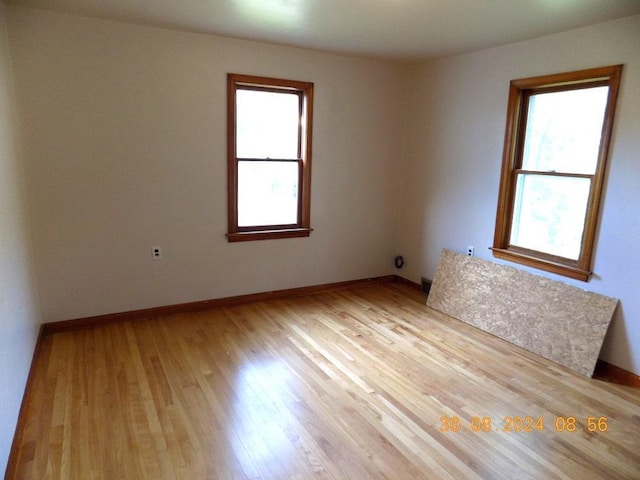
(563, 130)
(267, 124)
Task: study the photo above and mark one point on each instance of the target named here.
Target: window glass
(267, 193)
(549, 214)
(557, 138)
(267, 124)
(563, 130)
(269, 140)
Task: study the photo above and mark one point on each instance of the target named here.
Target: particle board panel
(557, 321)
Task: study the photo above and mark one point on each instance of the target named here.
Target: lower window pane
(549, 214)
(267, 193)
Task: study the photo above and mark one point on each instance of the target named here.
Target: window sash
(268, 203)
(300, 116)
(520, 91)
(301, 226)
(552, 222)
(580, 118)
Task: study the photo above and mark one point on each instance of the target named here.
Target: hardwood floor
(352, 384)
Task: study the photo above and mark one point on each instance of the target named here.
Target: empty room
(299, 239)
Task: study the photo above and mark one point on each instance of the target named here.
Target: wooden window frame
(302, 227)
(515, 130)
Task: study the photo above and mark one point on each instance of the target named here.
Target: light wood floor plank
(351, 384)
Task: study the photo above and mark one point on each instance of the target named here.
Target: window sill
(542, 264)
(268, 234)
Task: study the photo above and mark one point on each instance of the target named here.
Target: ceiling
(402, 30)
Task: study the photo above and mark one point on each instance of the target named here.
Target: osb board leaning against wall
(557, 321)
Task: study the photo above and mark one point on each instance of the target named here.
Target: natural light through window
(563, 130)
(556, 145)
(267, 129)
(257, 425)
(549, 214)
(269, 157)
(562, 137)
(267, 125)
(267, 193)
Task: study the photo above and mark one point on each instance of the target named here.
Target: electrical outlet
(156, 253)
(470, 251)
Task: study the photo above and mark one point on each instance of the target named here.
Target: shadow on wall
(617, 330)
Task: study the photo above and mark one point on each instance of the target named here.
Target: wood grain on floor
(353, 384)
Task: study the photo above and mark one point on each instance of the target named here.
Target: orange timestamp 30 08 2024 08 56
(526, 424)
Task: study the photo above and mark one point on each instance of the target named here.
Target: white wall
(456, 131)
(124, 148)
(18, 319)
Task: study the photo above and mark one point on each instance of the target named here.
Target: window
(269, 157)
(555, 152)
